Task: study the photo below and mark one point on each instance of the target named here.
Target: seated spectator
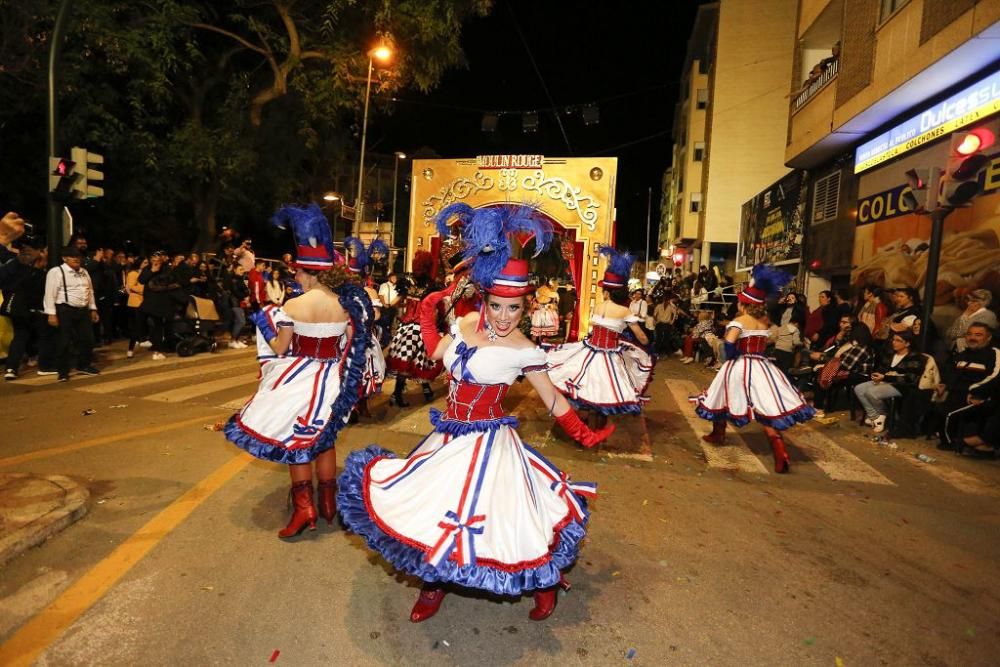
(899, 370)
(905, 314)
(976, 311)
(970, 380)
(787, 334)
(850, 363)
(697, 334)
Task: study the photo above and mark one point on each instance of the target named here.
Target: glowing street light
(331, 196)
(383, 54)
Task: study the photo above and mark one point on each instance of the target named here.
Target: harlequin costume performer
(311, 381)
(360, 262)
(606, 373)
(472, 505)
(749, 386)
(408, 358)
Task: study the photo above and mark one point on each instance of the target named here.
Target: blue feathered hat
(765, 281)
(313, 242)
(486, 235)
(619, 267)
(361, 259)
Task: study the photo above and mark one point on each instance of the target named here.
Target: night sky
(624, 56)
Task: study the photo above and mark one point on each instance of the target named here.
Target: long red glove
(576, 429)
(427, 316)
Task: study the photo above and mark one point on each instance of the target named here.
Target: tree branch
(232, 35)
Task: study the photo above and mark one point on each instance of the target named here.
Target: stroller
(193, 333)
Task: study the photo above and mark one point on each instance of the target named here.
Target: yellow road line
(103, 440)
(24, 647)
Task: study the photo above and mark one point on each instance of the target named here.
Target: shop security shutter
(826, 198)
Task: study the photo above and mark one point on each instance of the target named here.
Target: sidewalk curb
(33, 508)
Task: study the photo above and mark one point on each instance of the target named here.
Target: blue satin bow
(464, 354)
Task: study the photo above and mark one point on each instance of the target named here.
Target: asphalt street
(696, 555)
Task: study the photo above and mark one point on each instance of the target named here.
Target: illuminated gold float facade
(576, 194)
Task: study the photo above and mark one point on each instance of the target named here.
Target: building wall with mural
(576, 194)
(891, 242)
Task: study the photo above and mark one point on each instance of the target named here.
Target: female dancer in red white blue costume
(472, 505)
(311, 383)
(606, 373)
(360, 262)
(749, 386)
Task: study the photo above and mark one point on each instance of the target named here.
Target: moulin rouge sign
(510, 161)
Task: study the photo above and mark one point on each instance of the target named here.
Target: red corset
(603, 338)
(410, 310)
(318, 348)
(752, 344)
(468, 401)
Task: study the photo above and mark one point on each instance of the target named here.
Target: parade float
(576, 194)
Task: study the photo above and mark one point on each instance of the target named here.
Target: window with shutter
(826, 198)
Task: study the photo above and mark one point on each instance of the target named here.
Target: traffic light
(61, 177)
(965, 161)
(922, 195)
(83, 186)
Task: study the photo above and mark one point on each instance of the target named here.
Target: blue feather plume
(769, 279)
(377, 250)
(463, 212)
(308, 224)
(485, 235)
(355, 247)
(619, 263)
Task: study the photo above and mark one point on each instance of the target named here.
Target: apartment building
(729, 126)
(681, 204)
(878, 87)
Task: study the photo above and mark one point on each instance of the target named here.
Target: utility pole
(54, 220)
(649, 213)
(930, 286)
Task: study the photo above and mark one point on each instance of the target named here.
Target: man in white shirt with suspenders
(71, 308)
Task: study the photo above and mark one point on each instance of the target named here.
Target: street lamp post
(395, 182)
(382, 54)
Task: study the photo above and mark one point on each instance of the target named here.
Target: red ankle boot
(545, 601)
(304, 514)
(781, 460)
(428, 603)
(718, 434)
(328, 499)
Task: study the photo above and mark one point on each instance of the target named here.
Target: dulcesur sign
(969, 106)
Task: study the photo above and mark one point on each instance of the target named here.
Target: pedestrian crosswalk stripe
(960, 480)
(203, 388)
(734, 454)
(155, 378)
(838, 463)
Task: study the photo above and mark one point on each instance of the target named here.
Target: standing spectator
(120, 266)
(821, 323)
(567, 307)
(71, 308)
(136, 316)
(233, 293)
(872, 311)
(276, 287)
(183, 270)
(664, 317)
(390, 297)
(13, 263)
(787, 334)
(638, 307)
(24, 304)
(200, 280)
(161, 297)
(976, 311)
(103, 280)
(257, 285)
